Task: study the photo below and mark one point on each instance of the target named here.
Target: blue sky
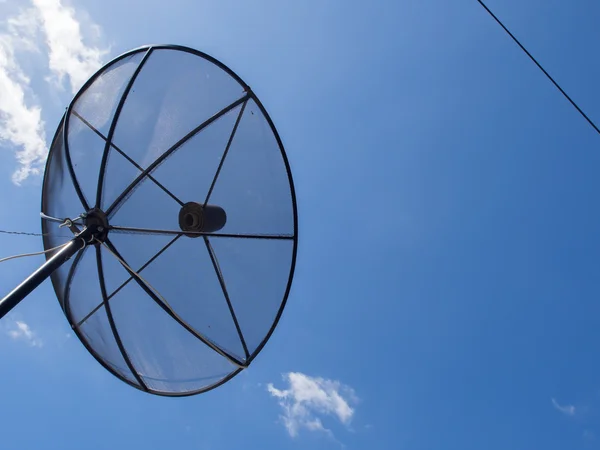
(446, 284)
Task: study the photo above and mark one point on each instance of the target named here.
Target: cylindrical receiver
(196, 219)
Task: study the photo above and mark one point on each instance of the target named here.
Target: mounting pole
(44, 271)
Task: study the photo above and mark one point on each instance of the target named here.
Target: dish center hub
(96, 220)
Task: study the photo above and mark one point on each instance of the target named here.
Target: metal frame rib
(135, 230)
(113, 126)
(111, 322)
(231, 136)
(219, 274)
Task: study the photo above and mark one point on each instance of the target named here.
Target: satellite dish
(174, 181)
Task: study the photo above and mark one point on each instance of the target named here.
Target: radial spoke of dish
(215, 263)
(118, 229)
(67, 309)
(112, 322)
(113, 126)
(67, 156)
(235, 126)
(172, 149)
(160, 252)
(127, 157)
(160, 301)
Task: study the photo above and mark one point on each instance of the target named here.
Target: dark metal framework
(14, 297)
(147, 173)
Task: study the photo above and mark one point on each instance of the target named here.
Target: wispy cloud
(22, 332)
(589, 435)
(68, 54)
(20, 119)
(569, 410)
(307, 400)
(50, 32)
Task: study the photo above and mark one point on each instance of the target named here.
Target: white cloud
(21, 331)
(68, 55)
(23, 35)
(20, 121)
(569, 410)
(308, 399)
(24, 26)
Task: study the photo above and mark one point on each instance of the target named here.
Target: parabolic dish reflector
(177, 159)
